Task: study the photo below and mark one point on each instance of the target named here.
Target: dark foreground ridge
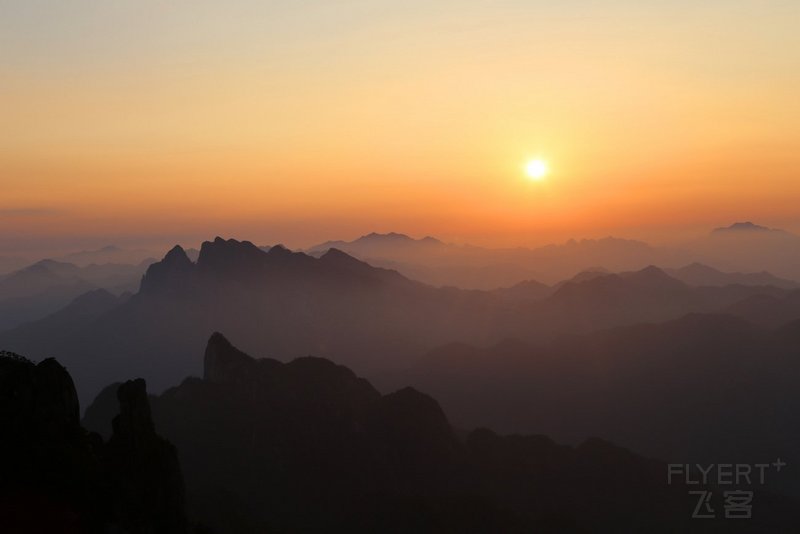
(59, 478)
(309, 446)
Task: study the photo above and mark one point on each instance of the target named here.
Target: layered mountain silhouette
(740, 247)
(309, 446)
(46, 286)
(441, 264)
(594, 300)
(109, 254)
(701, 388)
(769, 310)
(292, 304)
(277, 301)
(697, 274)
(40, 289)
(750, 247)
(57, 477)
(746, 227)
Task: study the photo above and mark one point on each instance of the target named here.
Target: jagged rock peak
(168, 273)
(40, 396)
(144, 472)
(177, 255)
(223, 362)
(134, 419)
(225, 254)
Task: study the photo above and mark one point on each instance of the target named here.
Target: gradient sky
(300, 121)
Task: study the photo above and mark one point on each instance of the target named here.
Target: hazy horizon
(54, 246)
(298, 123)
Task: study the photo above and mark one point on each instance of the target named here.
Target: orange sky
(300, 122)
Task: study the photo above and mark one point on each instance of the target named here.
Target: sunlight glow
(536, 169)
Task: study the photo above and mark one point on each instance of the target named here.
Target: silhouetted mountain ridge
(698, 274)
(46, 286)
(335, 306)
(746, 227)
(309, 445)
(700, 387)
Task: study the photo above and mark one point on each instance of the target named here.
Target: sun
(536, 169)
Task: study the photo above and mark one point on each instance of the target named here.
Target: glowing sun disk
(536, 169)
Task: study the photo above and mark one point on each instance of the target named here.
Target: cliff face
(172, 274)
(51, 468)
(289, 444)
(143, 468)
(57, 477)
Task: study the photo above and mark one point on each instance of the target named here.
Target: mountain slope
(748, 247)
(694, 389)
(697, 274)
(308, 445)
(46, 286)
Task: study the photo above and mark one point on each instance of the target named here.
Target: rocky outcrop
(100, 413)
(171, 275)
(145, 476)
(229, 256)
(57, 477)
(223, 362)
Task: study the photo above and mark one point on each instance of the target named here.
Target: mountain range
(743, 247)
(335, 306)
(309, 446)
(702, 388)
(470, 267)
(46, 286)
(686, 363)
(109, 254)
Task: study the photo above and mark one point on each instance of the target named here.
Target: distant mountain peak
(335, 254)
(50, 266)
(391, 236)
(222, 253)
(700, 274)
(652, 275)
(746, 226)
(395, 237)
(652, 270)
(160, 276)
(277, 250)
(375, 244)
(176, 255)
